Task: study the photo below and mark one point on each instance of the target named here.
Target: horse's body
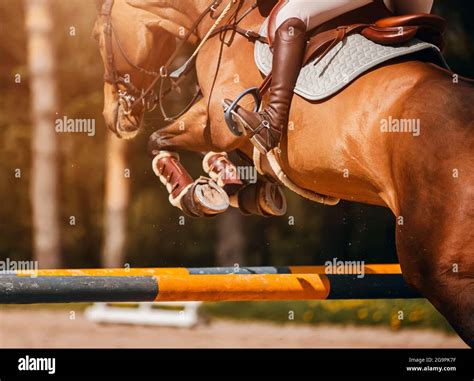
(336, 147)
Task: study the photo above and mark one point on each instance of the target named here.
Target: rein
(132, 96)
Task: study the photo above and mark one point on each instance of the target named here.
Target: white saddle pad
(344, 63)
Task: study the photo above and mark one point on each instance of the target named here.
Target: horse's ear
(98, 4)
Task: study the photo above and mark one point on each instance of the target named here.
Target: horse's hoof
(204, 199)
(263, 199)
(272, 199)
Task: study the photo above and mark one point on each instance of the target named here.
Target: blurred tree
(44, 105)
(230, 244)
(117, 188)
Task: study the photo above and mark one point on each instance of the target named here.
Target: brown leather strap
(387, 31)
(247, 33)
(390, 36)
(265, 86)
(111, 74)
(417, 19)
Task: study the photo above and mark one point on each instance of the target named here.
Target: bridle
(147, 97)
(132, 95)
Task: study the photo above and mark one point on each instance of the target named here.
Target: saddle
(390, 31)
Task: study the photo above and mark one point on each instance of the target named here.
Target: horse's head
(133, 48)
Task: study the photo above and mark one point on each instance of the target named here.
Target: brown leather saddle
(393, 31)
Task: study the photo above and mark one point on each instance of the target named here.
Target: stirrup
(229, 111)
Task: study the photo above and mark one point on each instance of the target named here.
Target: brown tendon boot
(265, 127)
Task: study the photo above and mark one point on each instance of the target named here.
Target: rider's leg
(314, 12)
(293, 19)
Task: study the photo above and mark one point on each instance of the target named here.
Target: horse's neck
(175, 17)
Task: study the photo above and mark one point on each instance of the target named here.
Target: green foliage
(395, 314)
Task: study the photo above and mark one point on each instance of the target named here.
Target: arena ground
(51, 328)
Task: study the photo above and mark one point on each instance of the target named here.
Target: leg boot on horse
(200, 198)
(260, 197)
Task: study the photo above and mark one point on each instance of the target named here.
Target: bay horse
(337, 147)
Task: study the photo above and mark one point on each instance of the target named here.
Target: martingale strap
(179, 74)
(186, 68)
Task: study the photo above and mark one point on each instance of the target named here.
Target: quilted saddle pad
(345, 62)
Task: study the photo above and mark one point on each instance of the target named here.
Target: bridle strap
(106, 11)
(177, 75)
(143, 96)
(131, 94)
(185, 69)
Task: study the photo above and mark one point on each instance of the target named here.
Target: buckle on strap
(265, 124)
(251, 35)
(163, 71)
(215, 5)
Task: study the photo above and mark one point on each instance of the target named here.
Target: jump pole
(201, 284)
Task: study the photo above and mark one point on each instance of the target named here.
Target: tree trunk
(116, 203)
(44, 105)
(230, 239)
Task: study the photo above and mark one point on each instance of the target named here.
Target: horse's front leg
(246, 191)
(195, 132)
(200, 198)
(191, 133)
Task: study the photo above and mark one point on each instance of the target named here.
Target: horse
(130, 69)
(337, 148)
